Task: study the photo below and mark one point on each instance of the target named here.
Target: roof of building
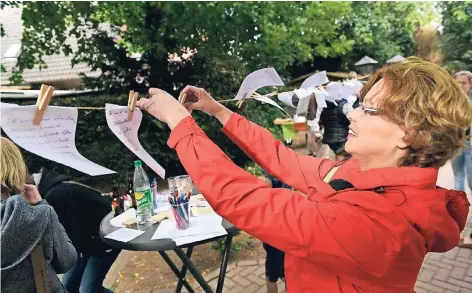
(59, 67)
(365, 60)
(395, 59)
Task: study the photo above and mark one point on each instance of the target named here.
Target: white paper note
(258, 79)
(199, 226)
(195, 238)
(53, 139)
(334, 90)
(124, 234)
(320, 99)
(303, 103)
(286, 98)
(315, 80)
(269, 101)
(129, 214)
(348, 89)
(127, 132)
(4, 107)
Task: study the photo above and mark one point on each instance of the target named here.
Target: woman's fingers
(153, 91)
(191, 90)
(144, 104)
(141, 103)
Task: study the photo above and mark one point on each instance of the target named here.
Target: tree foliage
(456, 41)
(382, 29)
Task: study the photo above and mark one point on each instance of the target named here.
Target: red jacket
(355, 240)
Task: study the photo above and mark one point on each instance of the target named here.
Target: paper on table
(195, 238)
(129, 214)
(201, 225)
(53, 139)
(124, 234)
(256, 80)
(286, 98)
(269, 101)
(303, 103)
(127, 132)
(315, 80)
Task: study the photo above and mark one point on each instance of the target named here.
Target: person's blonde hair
(13, 167)
(433, 109)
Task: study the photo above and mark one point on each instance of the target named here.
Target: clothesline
(220, 101)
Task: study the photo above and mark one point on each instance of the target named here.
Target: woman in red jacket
(362, 225)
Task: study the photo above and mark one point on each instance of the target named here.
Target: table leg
(176, 271)
(191, 267)
(224, 264)
(183, 271)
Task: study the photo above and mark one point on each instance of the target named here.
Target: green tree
(238, 37)
(456, 41)
(383, 29)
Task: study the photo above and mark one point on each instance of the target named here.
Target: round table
(144, 243)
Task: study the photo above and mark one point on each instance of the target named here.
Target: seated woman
(33, 241)
(370, 225)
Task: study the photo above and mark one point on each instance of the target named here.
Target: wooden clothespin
(240, 103)
(131, 104)
(182, 97)
(42, 103)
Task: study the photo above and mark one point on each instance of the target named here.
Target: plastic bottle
(142, 193)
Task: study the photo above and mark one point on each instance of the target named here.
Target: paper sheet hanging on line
(5, 106)
(348, 89)
(334, 91)
(127, 132)
(303, 103)
(320, 99)
(269, 101)
(53, 139)
(124, 234)
(258, 79)
(315, 80)
(286, 98)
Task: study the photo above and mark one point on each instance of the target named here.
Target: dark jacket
(80, 209)
(23, 227)
(335, 123)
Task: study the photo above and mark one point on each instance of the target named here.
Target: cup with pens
(180, 191)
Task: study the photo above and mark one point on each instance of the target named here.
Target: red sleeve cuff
(185, 127)
(232, 124)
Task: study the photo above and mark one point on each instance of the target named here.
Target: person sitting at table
(370, 225)
(35, 247)
(80, 209)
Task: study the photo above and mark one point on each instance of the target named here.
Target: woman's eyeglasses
(368, 110)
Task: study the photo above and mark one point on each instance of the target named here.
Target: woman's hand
(198, 99)
(31, 194)
(164, 107)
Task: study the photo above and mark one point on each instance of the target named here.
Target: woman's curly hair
(430, 105)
